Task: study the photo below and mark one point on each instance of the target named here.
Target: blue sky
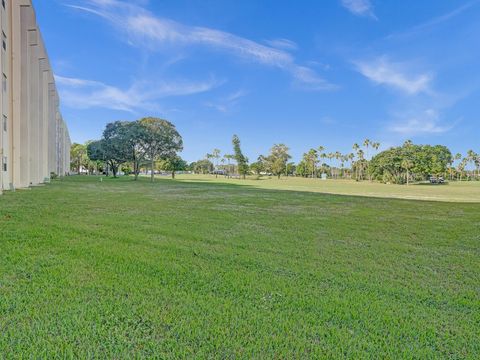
(303, 73)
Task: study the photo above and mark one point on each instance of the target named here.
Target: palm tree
(457, 157)
(474, 159)
(407, 164)
(367, 143)
(350, 158)
(330, 156)
(476, 163)
(228, 157)
(338, 157)
(343, 160)
(461, 167)
(360, 167)
(216, 155)
(208, 156)
(313, 158)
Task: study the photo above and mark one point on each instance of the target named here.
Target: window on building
(4, 83)
(4, 41)
(3, 3)
(4, 163)
(4, 123)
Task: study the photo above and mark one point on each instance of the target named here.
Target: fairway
(453, 192)
(198, 268)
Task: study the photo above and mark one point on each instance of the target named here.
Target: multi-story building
(34, 139)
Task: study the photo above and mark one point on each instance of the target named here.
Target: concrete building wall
(34, 139)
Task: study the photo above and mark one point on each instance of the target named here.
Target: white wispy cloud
(359, 7)
(146, 30)
(226, 103)
(382, 71)
(426, 122)
(434, 21)
(283, 44)
(84, 94)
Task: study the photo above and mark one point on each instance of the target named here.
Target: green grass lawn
(204, 269)
(454, 192)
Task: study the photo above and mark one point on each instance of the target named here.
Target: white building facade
(34, 139)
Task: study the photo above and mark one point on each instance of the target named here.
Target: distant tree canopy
(155, 142)
(260, 166)
(203, 166)
(398, 164)
(173, 164)
(275, 163)
(278, 158)
(160, 140)
(78, 156)
(149, 139)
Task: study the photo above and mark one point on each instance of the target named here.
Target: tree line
(154, 144)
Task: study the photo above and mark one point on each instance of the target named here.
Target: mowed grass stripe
(455, 191)
(182, 269)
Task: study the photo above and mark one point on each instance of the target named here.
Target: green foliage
(135, 142)
(422, 161)
(78, 157)
(160, 140)
(203, 166)
(308, 167)
(277, 160)
(126, 168)
(303, 169)
(242, 161)
(115, 147)
(259, 166)
(290, 169)
(173, 165)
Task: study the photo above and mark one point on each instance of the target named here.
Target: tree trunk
(114, 170)
(173, 174)
(152, 166)
(135, 169)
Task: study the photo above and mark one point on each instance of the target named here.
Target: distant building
(34, 139)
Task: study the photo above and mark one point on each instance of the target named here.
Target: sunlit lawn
(453, 191)
(203, 269)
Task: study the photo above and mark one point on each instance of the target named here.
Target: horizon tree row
(154, 142)
(399, 165)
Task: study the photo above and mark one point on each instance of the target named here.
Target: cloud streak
(396, 75)
(435, 21)
(85, 94)
(283, 44)
(359, 8)
(146, 30)
(424, 123)
(225, 104)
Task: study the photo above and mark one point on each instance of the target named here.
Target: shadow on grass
(425, 183)
(222, 183)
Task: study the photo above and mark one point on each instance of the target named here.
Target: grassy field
(453, 192)
(204, 269)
